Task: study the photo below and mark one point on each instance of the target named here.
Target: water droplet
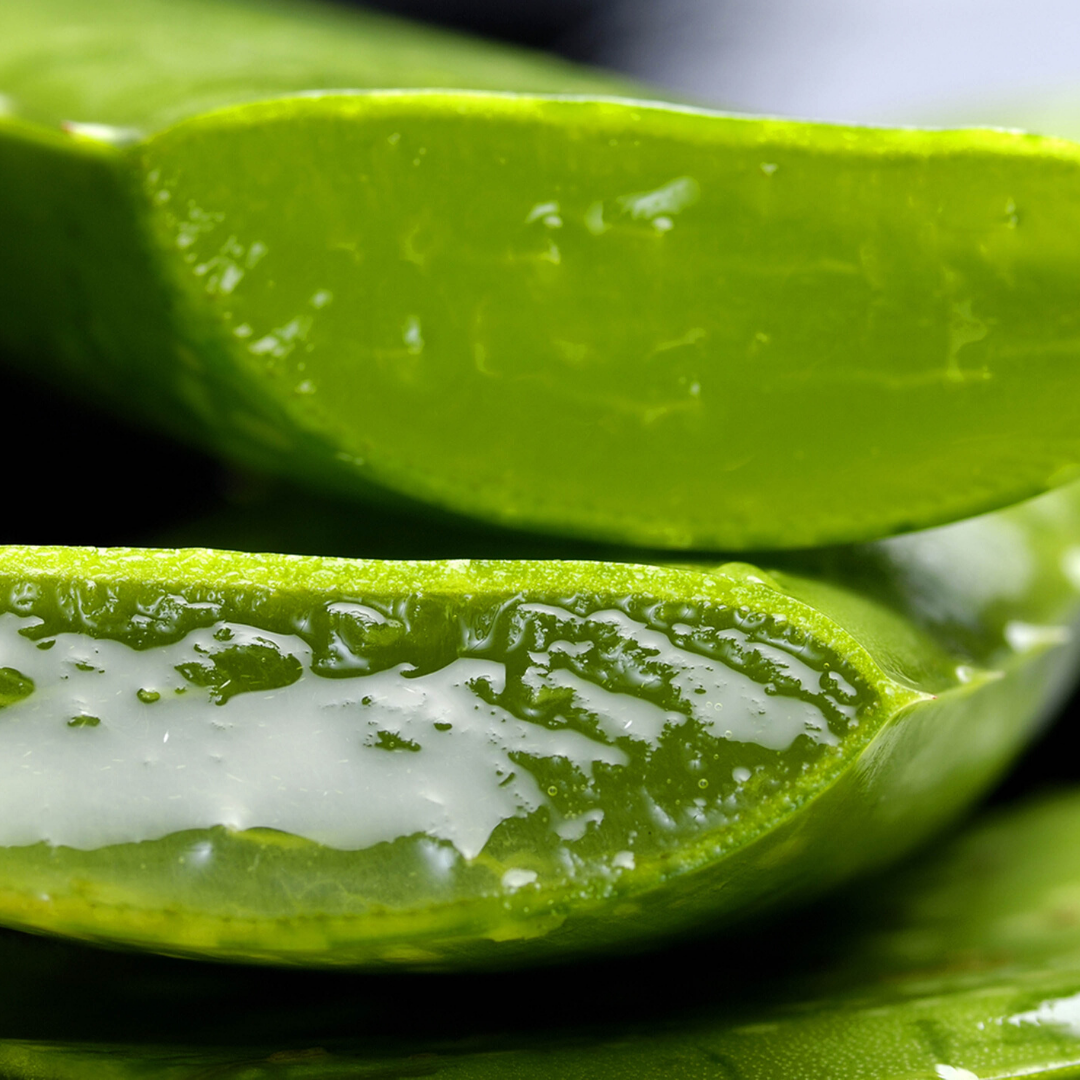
(594, 219)
(547, 212)
(83, 721)
(106, 133)
(391, 740)
(201, 853)
(147, 697)
(231, 276)
(14, 686)
(662, 202)
(412, 336)
(515, 879)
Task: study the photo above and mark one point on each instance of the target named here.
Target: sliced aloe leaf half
(600, 317)
(319, 761)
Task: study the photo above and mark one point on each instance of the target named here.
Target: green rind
(809, 334)
(941, 730)
(964, 964)
(335, 398)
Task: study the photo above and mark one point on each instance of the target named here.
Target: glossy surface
(966, 963)
(535, 310)
(450, 742)
(374, 763)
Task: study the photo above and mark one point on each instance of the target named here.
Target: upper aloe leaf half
(589, 315)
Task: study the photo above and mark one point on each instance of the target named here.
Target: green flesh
(966, 963)
(485, 763)
(603, 318)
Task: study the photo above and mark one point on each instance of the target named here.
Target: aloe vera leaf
(1024, 1028)
(787, 334)
(965, 963)
(485, 763)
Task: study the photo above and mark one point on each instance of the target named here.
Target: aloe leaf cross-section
(290, 759)
(583, 314)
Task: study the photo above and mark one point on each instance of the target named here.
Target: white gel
(301, 758)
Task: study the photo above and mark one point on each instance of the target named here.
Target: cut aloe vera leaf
(535, 310)
(967, 963)
(317, 761)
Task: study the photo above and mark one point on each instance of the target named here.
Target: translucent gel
(582, 719)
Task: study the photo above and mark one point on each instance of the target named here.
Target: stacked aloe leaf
(650, 390)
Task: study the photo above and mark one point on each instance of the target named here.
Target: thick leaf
(966, 964)
(604, 318)
(318, 761)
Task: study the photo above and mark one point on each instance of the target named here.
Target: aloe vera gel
(452, 720)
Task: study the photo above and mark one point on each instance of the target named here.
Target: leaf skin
(965, 960)
(816, 783)
(533, 310)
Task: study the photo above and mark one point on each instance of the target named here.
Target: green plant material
(629, 321)
(318, 761)
(965, 964)
(139, 67)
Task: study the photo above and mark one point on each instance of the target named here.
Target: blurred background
(860, 61)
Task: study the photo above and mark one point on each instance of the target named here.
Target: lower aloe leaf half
(532, 310)
(324, 761)
(964, 965)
